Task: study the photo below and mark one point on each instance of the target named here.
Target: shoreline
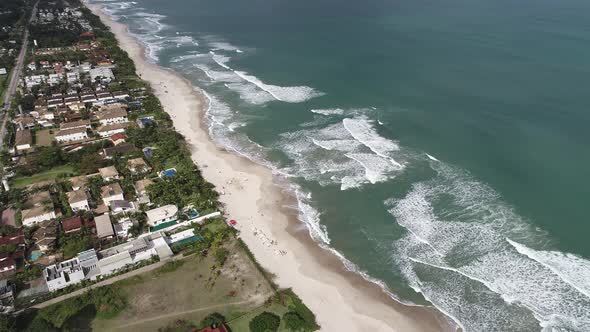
(342, 300)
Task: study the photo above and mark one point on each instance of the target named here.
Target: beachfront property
(111, 192)
(110, 130)
(108, 173)
(78, 200)
(161, 215)
(132, 252)
(138, 165)
(101, 74)
(63, 274)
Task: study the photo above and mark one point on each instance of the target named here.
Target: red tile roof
(16, 238)
(72, 224)
(220, 328)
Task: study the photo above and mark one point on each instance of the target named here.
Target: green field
(23, 181)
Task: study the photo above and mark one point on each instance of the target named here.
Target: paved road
(15, 78)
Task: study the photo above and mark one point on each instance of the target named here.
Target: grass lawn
(44, 137)
(186, 292)
(53, 173)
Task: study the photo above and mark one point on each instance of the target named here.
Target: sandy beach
(342, 300)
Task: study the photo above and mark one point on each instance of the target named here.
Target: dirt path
(100, 284)
(184, 312)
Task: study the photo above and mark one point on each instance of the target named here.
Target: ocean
(439, 147)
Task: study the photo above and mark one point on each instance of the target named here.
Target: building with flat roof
(63, 274)
(161, 215)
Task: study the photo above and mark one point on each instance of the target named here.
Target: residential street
(15, 78)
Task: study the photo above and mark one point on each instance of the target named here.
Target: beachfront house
(63, 274)
(161, 215)
(110, 130)
(138, 165)
(135, 251)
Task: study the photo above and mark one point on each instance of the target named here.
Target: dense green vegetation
(265, 322)
(106, 302)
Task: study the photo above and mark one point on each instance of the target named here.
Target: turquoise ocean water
(440, 147)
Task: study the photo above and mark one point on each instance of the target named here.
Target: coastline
(342, 300)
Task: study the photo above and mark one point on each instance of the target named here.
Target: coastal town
(98, 189)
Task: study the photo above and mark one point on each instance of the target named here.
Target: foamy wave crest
(571, 268)
(333, 155)
(328, 111)
(224, 46)
(221, 60)
(460, 259)
(289, 94)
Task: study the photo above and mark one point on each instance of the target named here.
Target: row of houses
(90, 265)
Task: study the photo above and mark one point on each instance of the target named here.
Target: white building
(55, 79)
(78, 200)
(133, 252)
(112, 116)
(110, 130)
(37, 214)
(72, 77)
(34, 80)
(161, 215)
(105, 75)
(63, 274)
(69, 135)
(110, 193)
(121, 206)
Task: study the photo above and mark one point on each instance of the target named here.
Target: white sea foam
(571, 268)
(332, 155)
(224, 46)
(459, 225)
(328, 111)
(250, 93)
(221, 60)
(289, 94)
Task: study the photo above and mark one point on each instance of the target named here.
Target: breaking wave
(457, 254)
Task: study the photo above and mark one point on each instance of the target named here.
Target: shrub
(221, 256)
(265, 322)
(213, 319)
(294, 322)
